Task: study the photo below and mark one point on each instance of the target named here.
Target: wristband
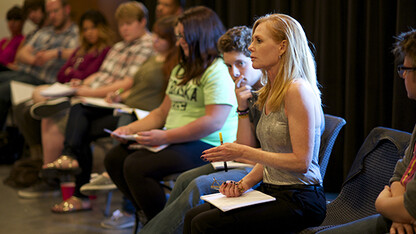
(242, 116)
(243, 112)
(59, 53)
(240, 186)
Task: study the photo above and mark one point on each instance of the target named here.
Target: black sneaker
(39, 190)
(49, 108)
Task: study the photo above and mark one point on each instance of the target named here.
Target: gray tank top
(273, 134)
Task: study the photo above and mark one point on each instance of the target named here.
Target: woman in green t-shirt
(199, 103)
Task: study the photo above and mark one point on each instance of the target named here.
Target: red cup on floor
(67, 189)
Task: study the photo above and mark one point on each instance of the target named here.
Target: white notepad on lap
(250, 197)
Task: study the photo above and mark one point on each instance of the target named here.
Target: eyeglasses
(401, 69)
(216, 184)
(179, 36)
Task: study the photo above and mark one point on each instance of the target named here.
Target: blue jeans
(188, 188)
(371, 224)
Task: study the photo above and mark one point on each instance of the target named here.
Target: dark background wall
(352, 41)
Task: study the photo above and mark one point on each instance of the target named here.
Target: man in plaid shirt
(41, 58)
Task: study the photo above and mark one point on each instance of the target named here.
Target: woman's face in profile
(264, 50)
(180, 39)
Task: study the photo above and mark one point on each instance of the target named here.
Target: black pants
(85, 124)
(293, 210)
(5, 98)
(138, 173)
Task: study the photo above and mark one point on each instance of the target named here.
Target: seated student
(196, 182)
(41, 58)
(396, 204)
(9, 45)
(117, 71)
(34, 10)
(198, 104)
(289, 132)
(96, 39)
(86, 123)
(169, 7)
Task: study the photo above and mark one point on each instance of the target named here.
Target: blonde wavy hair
(297, 62)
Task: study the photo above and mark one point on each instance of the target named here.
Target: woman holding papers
(199, 102)
(289, 132)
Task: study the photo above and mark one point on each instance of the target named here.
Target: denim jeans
(186, 193)
(368, 225)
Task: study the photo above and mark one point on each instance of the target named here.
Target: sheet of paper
(100, 102)
(250, 197)
(21, 92)
(140, 114)
(127, 137)
(230, 164)
(58, 90)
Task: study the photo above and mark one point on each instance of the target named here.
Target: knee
(132, 168)
(183, 180)
(112, 159)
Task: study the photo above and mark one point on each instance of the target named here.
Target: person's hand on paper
(242, 92)
(232, 188)
(152, 137)
(224, 152)
(113, 97)
(123, 130)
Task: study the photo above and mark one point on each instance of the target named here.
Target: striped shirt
(410, 171)
(123, 60)
(47, 39)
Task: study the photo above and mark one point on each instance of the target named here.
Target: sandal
(72, 204)
(62, 166)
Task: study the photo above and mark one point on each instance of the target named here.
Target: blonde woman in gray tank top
(289, 132)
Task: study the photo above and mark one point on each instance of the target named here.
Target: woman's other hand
(152, 137)
(232, 188)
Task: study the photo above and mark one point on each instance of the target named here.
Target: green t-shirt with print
(188, 101)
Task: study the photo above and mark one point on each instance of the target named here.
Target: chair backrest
(370, 172)
(333, 125)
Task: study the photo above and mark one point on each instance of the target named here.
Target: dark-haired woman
(96, 39)
(9, 45)
(199, 103)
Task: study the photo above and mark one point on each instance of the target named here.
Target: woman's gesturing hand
(225, 152)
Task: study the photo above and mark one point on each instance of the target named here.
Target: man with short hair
(169, 7)
(396, 203)
(41, 58)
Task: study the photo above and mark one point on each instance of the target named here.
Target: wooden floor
(25, 216)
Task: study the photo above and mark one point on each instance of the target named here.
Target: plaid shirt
(123, 60)
(47, 39)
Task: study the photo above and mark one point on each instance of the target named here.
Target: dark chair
(369, 173)
(333, 125)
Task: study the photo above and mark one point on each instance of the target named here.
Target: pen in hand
(225, 163)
